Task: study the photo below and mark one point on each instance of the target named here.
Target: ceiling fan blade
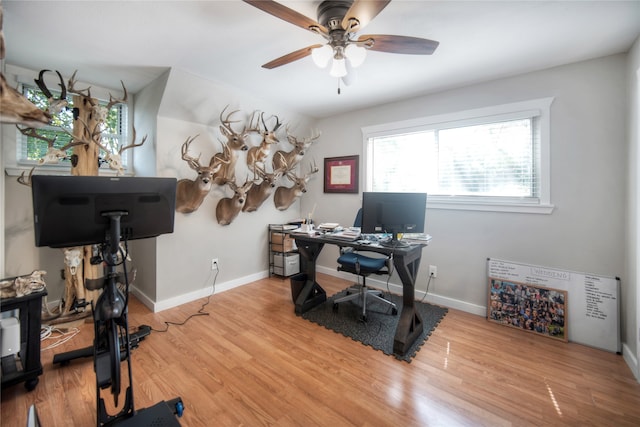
(401, 44)
(286, 14)
(363, 11)
(290, 57)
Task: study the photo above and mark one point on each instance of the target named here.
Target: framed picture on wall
(341, 174)
(531, 308)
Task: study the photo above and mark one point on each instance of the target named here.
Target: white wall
(585, 232)
(631, 303)
(190, 106)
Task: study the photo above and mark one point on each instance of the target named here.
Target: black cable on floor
(200, 312)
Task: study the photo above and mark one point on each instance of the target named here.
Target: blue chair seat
(368, 265)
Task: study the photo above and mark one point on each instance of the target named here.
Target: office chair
(363, 266)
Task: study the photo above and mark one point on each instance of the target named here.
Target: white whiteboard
(593, 316)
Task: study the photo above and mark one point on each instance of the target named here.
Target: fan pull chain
(338, 85)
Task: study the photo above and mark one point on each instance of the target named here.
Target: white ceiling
(228, 41)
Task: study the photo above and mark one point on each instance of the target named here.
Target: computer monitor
(75, 210)
(393, 213)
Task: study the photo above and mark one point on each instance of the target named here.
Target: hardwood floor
(251, 361)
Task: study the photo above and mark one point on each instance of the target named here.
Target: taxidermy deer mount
(221, 170)
(290, 159)
(229, 208)
(285, 196)
(191, 193)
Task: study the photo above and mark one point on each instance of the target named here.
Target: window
(493, 158)
(31, 148)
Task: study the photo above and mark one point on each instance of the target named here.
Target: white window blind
(489, 159)
(30, 149)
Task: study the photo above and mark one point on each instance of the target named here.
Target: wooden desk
(406, 262)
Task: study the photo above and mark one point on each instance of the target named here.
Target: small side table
(30, 307)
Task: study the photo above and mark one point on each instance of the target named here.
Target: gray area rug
(380, 328)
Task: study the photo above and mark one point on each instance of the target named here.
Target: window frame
(540, 108)
(18, 164)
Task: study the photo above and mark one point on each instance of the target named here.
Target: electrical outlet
(214, 264)
(433, 271)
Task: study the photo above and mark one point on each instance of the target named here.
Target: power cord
(427, 290)
(47, 332)
(200, 312)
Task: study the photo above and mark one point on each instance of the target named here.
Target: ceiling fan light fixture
(338, 68)
(322, 55)
(356, 54)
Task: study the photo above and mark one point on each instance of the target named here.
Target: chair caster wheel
(394, 311)
(335, 306)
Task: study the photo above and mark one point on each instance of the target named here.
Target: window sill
(528, 208)
(54, 170)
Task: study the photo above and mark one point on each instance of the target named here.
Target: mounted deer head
(293, 157)
(235, 142)
(191, 193)
(229, 208)
(284, 197)
(260, 192)
(227, 160)
(259, 153)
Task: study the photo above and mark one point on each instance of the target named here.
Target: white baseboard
(157, 306)
(419, 295)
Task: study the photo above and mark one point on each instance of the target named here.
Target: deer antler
(226, 122)
(71, 87)
(193, 162)
(55, 104)
(312, 169)
(113, 101)
(133, 144)
(53, 155)
(26, 180)
(114, 159)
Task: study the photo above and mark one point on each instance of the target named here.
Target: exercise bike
(111, 328)
(88, 210)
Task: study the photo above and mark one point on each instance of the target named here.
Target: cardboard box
(286, 264)
(281, 242)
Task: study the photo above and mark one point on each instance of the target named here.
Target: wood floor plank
(251, 361)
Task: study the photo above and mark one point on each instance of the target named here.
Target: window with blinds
(489, 159)
(30, 148)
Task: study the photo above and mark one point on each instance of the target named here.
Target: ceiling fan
(338, 22)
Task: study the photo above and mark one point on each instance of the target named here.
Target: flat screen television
(393, 213)
(74, 210)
